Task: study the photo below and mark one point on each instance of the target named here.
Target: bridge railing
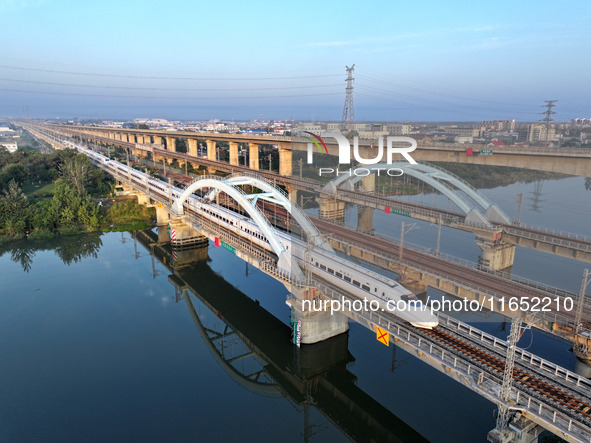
(482, 381)
(572, 240)
(508, 149)
(525, 357)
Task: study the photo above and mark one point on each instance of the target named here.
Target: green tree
(13, 172)
(14, 210)
(75, 172)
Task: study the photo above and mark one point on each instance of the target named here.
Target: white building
(10, 145)
(463, 139)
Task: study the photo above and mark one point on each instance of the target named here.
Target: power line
(80, 94)
(133, 88)
(97, 74)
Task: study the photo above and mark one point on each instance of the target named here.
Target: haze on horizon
(452, 61)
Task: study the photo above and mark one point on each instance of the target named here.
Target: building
(462, 139)
(535, 133)
(9, 144)
(399, 129)
(499, 125)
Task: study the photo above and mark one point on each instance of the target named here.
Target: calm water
(101, 340)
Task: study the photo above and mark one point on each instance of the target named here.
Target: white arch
(277, 196)
(436, 178)
(284, 260)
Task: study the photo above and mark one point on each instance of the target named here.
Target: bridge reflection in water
(254, 348)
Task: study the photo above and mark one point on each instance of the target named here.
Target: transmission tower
(548, 113)
(348, 110)
(505, 394)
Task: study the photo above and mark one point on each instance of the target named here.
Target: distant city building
(462, 132)
(499, 125)
(463, 139)
(534, 133)
(399, 129)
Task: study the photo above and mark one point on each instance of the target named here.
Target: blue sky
(446, 61)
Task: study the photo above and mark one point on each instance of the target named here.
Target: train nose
(426, 324)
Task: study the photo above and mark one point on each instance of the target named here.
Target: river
(102, 340)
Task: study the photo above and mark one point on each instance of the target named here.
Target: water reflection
(70, 249)
(254, 348)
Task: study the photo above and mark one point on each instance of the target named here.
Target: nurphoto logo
(345, 153)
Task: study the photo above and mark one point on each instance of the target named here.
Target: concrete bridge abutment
(331, 209)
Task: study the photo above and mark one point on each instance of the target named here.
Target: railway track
(577, 407)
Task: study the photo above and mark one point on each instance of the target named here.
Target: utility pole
(410, 228)
(519, 203)
(581, 304)
(348, 110)
(438, 237)
(505, 394)
(300, 162)
(269, 162)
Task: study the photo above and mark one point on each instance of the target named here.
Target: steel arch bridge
(484, 211)
(231, 186)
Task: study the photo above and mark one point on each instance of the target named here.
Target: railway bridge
(496, 235)
(541, 393)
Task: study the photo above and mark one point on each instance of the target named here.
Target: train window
(375, 289)
(356, 283)
(364, 287)
(323, 267)
(338, 274)
(331, 271)
(348, 279)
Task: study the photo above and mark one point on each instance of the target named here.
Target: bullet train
(391, 296)
(365, 284)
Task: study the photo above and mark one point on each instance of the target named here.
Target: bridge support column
(162, 216)
(131, 138)
(185, 236)
(369, 183)
(211, 150)
(365, 219)
(170, 145)
(192, 146)
(253, 156)
(315, 325)
(331, 209)
(285, 162)
(234, 153)
(496, 255)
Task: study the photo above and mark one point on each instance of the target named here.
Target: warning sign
(382, 336)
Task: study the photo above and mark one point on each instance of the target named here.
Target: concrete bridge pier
(162, 216)
(496, 255)
(312, 320)
(331, 209)
(253, 156)
(285, 161)
(234, 153)
(365, 219)
(192, 147)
